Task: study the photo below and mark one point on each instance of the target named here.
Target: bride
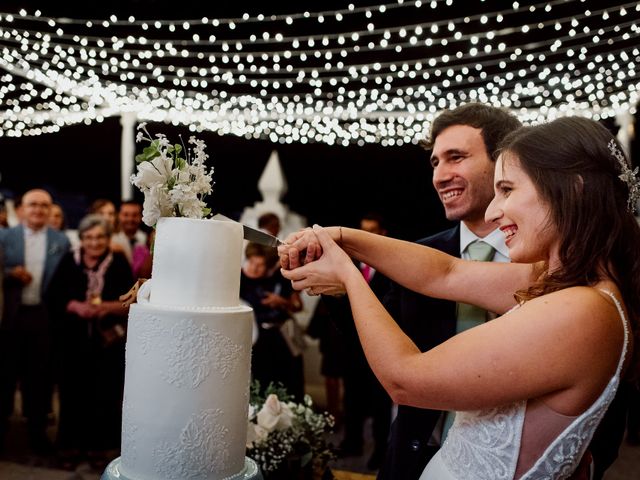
(531, 386)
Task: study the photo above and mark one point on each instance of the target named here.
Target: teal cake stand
(251, 472)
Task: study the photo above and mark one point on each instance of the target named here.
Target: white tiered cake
(188, 360)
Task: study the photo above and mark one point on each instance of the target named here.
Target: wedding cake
(188, 360)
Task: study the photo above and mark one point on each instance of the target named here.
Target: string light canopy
(348, 76)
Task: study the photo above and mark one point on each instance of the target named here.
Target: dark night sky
(327, 184)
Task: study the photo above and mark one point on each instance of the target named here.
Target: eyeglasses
(90, 238)
(37, 205)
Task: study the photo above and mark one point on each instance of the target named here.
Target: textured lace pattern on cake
(485, 444)
(129, 432)
(191, 351)
(201, 450)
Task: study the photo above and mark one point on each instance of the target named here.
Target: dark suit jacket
(428, 322)
(12, 244)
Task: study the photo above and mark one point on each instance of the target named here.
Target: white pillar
(626, 132)
(625, 121)
(127, 153)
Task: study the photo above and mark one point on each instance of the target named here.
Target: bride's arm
(422, 269)
(533, 352)
(546, 347)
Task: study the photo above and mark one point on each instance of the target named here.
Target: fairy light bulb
(316, 87)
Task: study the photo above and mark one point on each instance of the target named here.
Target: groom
(463, 144)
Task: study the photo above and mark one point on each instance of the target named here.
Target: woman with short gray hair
(91, 328)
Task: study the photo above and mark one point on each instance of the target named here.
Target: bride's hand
(328, 274)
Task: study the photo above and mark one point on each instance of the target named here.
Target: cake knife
(253, 234)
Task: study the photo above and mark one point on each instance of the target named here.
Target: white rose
(150, 208)
(192, 208)
(153, 173)
(275, 415)
(255, 434)
(190, 205)
(201, 182)
(157, 203)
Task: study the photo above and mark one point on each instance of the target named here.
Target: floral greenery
(280, 429)
(174, 179)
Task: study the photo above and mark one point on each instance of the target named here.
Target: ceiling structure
(349, 75)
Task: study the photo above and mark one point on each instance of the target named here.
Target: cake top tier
(196, 263)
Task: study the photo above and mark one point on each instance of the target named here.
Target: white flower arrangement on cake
(174, 179)
(281, 430)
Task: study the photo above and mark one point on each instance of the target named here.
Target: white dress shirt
(495, 239)
(35, 255)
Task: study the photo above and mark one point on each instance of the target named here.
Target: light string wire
(424, 27)
(119, 93)
(467, 60)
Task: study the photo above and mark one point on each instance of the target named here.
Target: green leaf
(206, 211)
(178, 148)
(180, 163)
(148, 153)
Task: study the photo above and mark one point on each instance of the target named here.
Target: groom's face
(462, 173)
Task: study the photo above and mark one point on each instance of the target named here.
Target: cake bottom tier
(186, 393)
(250, 472)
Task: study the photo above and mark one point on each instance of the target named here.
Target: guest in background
(276, 357)
(57, 221)
(363, 395)
(270, 223)
(90, 334)
(56, 217)
(128, 234)
(4, 217)
(107, 209)
(141, 258)
(331, 345)
(32, 252)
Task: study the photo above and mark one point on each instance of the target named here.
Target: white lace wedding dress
(484, 445)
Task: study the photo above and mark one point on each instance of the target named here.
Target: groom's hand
(300, 248)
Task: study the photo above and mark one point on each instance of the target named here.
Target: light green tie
(469, 316)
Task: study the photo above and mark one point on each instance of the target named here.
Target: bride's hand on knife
(327, 275)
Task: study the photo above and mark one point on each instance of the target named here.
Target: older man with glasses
(32, 252)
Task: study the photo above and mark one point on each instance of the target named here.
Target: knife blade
(253, 234)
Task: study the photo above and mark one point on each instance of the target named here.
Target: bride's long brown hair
(573, 169)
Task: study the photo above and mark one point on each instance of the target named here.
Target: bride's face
(522, 214)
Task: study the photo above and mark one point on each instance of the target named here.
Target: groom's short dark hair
(495, 123)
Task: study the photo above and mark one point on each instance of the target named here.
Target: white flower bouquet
(174, 179)
(281, 430)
